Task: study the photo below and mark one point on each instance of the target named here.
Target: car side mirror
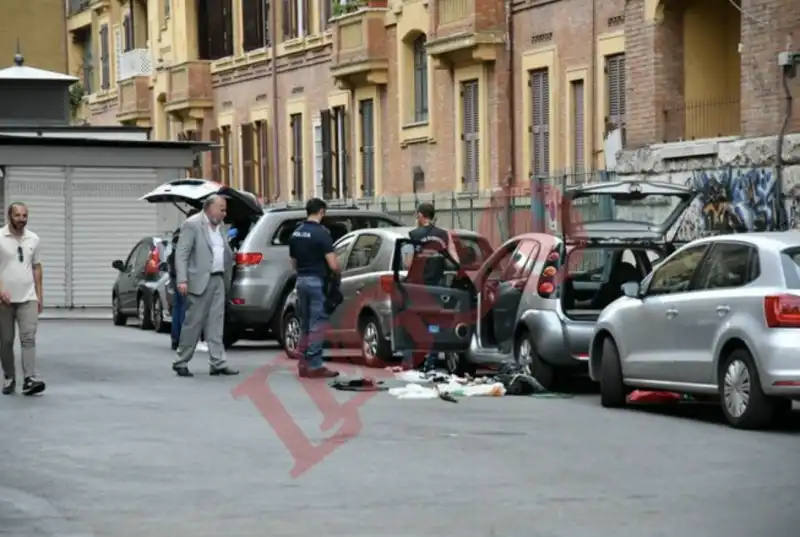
(631, 290)
(118, 264)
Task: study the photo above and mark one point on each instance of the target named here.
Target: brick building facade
(381, 99)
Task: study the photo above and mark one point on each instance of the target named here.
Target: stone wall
(737, 181)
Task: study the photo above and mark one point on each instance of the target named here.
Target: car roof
(301, 213)
(402, 232)
(761, 239)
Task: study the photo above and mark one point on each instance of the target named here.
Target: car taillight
(153, 261)
(387, 283)
(248, 259)
(782, 311)
(547, 284)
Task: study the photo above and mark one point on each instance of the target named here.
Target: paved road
(119, 447)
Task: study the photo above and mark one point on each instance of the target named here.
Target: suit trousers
(205, 313)
(24, 315)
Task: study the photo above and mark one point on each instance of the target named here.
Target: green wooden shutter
(539, 83)
(470, 124)
(578, 135)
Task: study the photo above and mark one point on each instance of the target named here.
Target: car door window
(729, 265)
(676, 274)
(284, 232)
(364, 251)
(340, 251)
(496, 271)
(140, 256)
(521, 262)
(370, 222)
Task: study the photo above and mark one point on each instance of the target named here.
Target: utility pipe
(273, 33)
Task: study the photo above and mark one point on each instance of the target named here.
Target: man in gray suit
(203, 267)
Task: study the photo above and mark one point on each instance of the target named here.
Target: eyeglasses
(20, 256)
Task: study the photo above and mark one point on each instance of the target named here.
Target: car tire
(277, 324)
(119, 318)
(738, 377)
(613, 393)
(143, 313)
(526, 355)
(290, 333)
(157, 316)
(376, 350)
(458, 364)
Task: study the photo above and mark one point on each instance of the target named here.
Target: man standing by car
(311, 251)
(425, 261)
(204, 267)
(21, 299)
(178, 300)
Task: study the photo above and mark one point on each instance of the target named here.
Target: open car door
(623, 193)
(425, 317)
(192, 192)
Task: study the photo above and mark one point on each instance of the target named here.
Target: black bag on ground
(517, 381)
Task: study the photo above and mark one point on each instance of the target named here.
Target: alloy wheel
(291, 336)
(736, 388)
(140, 313)
(115, 307)
(369, 341)
(158, 314)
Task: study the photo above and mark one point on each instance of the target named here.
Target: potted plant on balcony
(76, 94)
(341, 7)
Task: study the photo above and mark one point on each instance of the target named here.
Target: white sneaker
(202, 347)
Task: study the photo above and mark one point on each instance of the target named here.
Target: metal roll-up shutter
(108, 220)
(43, 191)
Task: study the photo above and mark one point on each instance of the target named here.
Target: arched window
(420, 79)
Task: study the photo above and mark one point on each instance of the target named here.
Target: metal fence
(501, 213)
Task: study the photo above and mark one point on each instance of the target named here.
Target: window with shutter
(263, 157)
(303, 17)
(197, 160)
(420, 79)
(341, 152)
(470, 138)
(105, 71)
(216, 160)
(118, 46)
(227, 164)
(290, 19)
(88, 63)
(227, 28)
(539, 84)
(316, 127)
(325, 13)
(366, 112)
(577, 125)
(326, 122)
(254, 22)
(615, 82)
(296, 125)
(127, 27)
(248, 158)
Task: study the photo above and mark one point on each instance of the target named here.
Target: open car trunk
(599, 256)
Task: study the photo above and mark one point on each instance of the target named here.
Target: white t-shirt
(18, 256)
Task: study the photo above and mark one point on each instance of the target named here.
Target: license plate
(433, 329)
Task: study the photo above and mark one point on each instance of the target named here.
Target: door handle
(723, 310)
(358, 290)
(671, 313)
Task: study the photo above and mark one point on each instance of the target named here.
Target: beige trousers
(26, 316)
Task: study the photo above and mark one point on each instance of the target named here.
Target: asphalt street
(118, 446)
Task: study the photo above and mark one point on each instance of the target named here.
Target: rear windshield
(472, 251)
(339, 226)
(790, 260)
(594, 264)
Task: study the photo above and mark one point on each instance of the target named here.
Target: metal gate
(43, 190)
(107, 221)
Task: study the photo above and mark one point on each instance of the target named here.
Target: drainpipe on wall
(593, 88)
(787, 116)
(276, 165)
(511, 179)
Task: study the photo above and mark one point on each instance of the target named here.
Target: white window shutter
(118, 51)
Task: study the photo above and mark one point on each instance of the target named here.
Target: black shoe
(182, 371)
(31, 386)
(222, 371)
(9, 386)
(174, 346)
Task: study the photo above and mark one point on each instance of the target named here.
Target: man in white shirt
(21, 299)
(203, 272)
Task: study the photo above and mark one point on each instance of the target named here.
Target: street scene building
(378, 99)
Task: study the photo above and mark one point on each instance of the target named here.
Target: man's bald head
(215, 207)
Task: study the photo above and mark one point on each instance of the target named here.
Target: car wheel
(744, 403)
(527, 356)
(458, 364)
(116, 312)
(157, 316)
(143, 314)
(613, 392)
(290, 334)
(375, 348)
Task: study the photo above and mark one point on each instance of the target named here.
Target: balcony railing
(359, 43)
(696, 120)
(135, 62)
(76, 6)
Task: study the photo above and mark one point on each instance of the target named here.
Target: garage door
(43, 190)
(108, 220)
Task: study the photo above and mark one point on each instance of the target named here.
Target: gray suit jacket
(194, 258)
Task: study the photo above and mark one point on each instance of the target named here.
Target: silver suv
(263, 277)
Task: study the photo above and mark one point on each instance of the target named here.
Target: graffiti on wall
(731, 200)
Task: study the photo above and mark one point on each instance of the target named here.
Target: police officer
(426, 262)
(311, 250)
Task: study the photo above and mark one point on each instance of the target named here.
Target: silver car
(719, 316)
(263, 275)
(365, 321)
